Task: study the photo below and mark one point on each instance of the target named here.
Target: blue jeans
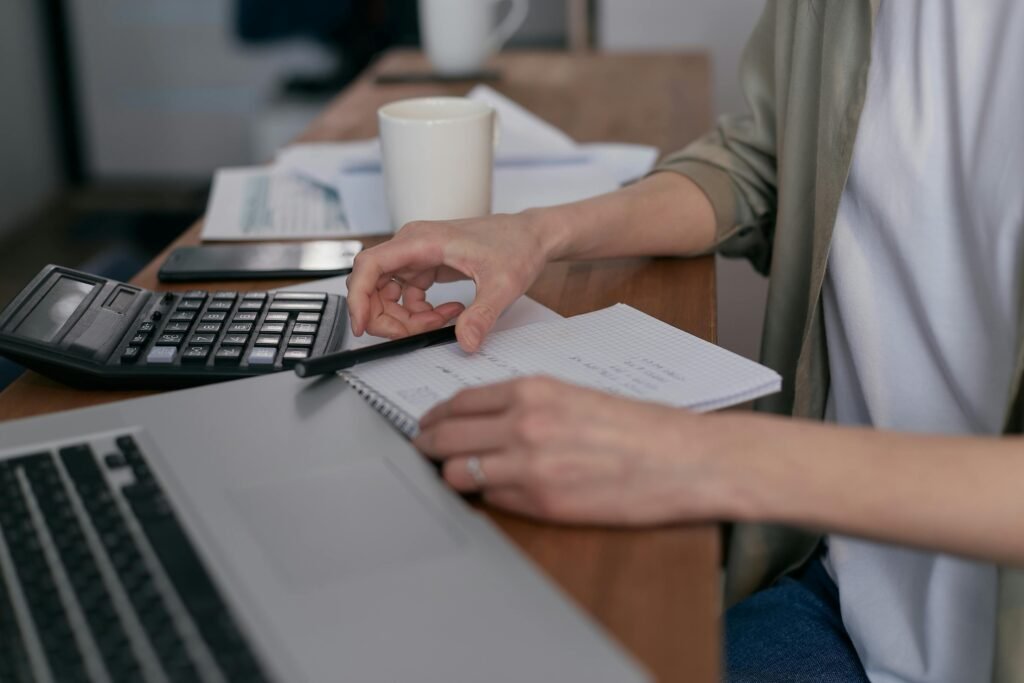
(791, 631)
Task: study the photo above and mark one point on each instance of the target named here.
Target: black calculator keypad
(218, 329)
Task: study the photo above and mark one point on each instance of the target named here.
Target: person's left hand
(546, 449)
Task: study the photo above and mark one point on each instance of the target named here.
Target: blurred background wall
(30, 171)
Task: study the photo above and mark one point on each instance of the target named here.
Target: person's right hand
(503, 254)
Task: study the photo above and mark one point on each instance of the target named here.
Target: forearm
(963, 495)
(665, 215)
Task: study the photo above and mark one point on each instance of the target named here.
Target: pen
(332, 362)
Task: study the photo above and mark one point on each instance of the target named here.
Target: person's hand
(550, 450)
(502, 254)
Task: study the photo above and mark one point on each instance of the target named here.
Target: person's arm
(666, 214)
(503, 254)
(559, 452)
(963, 495)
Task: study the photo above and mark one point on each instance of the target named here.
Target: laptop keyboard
(98, 599)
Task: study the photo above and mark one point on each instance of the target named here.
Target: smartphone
(260, 261)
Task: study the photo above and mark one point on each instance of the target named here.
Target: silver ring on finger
(476, 471)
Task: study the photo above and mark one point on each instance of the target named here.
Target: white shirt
(922, 304)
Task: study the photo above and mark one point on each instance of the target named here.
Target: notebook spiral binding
(405, 423)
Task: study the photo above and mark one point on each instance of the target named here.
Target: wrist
(550, 230)
(733, 449)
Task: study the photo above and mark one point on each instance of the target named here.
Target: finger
(498, 471)
(415, 299)
(386, 258)
(491, 398)
(492, 297)
(464, 436)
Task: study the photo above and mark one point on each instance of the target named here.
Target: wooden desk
(655, 590)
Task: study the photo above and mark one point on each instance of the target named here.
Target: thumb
(476, 321)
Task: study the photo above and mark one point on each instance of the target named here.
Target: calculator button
(139, 338)
(248, 305)
(304, 328)
(184, 315)
(276, 318)
(131, 354)
(190, 305)
(246, 317)
(305, 317)
(240, 327)
(255, 295)
(235, 340)
(297, 306)
(262, 355)
(214, 317)
(300, 296)
(146, 327)
(170, 339)
(291, 355)
(272, 328)
(176, 327)
(194, 294)
(268, 340)
(300, 340)
(228, 355)
(161, 355)
(195, 354)
(202, 339)
(220, 305)
(231, 296)
(208, 327)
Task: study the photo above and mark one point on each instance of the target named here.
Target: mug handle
(510, 24)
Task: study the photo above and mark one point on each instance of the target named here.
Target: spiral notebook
(618, 350)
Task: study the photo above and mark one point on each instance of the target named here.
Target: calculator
(93, 332)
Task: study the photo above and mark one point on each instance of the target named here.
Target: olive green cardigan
(775, 177)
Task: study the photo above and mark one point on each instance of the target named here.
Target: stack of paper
(334, 189)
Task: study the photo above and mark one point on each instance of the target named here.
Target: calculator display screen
(54, 309)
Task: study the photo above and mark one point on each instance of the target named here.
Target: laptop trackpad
(341, 523)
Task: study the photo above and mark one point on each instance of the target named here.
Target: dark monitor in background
(357, 30)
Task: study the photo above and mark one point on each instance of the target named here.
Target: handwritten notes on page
(617, 350)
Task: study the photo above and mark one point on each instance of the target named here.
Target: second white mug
(459, 35)
(438, 155)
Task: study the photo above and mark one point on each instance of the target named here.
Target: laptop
(265, 529)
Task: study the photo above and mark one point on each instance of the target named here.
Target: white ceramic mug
(438, 156)
(459, 35)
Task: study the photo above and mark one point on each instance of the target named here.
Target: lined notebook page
(618, 350)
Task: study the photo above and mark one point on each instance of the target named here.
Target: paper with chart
(259, 203)
(618, 350)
